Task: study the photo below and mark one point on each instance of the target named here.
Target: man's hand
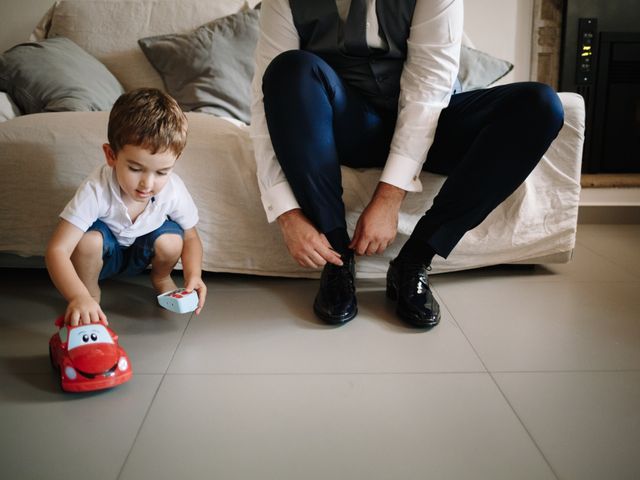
(84, 310)
(377, 226)
(306, 244)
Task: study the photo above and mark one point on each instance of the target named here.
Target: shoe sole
(417, 324)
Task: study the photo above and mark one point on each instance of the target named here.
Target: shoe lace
(339, 277)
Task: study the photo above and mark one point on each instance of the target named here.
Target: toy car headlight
(123, 364)
(70, 373)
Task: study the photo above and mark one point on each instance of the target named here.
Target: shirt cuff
(277, 200)
(402, 172)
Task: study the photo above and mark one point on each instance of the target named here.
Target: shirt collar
(114, 186)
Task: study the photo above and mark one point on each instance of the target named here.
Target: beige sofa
(44, 157)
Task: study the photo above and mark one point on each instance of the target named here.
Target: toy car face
(88, 357)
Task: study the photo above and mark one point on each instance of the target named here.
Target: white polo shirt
(99, 198)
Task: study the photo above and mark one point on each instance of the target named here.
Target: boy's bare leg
(168, 248)
(87, 260)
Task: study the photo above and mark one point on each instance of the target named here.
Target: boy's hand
(84, 310)
(201, 289)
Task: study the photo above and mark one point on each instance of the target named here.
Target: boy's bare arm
(82, 306)
(192, 266)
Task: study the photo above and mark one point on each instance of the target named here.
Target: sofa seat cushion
(53, 152)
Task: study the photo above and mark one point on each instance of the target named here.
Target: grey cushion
(210, 69)
(479, 69)
(56, 75)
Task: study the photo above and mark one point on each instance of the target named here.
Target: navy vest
(375, 74)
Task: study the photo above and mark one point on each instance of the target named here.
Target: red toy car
(88, 357)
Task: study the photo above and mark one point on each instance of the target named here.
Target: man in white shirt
(369, 83)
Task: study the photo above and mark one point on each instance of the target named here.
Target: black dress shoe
(408, 284)
(336, 302)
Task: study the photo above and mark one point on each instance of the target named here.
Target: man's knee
(291, 63)
(542, 106)
(168, 247)
(296, 72)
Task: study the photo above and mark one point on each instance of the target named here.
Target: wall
(499, 27)
(502, 28)
(18, 19)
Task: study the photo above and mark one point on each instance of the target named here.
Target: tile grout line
(495, 382)
(153, 399)
(370, 374)
(613, 262)
(523, 425)
(539, 281)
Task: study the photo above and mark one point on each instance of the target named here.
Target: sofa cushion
(479, 69)
(109, 29)
(210, 69)
(56, 75)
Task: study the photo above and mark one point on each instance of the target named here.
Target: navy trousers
(486, 143)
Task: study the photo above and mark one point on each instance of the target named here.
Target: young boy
(130, 212)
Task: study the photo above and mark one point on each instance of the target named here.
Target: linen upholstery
(53, 152)
(537, 222)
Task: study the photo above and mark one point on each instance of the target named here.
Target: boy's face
(140, 174)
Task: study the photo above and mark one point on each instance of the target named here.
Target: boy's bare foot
(162, 284)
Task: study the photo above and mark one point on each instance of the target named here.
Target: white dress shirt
(99, 198)
(428, 76)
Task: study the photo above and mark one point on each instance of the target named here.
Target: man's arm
(192, 266)
(277, 34)
(305, 243)
(82, 307)
(433, 51)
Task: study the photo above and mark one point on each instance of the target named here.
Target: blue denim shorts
(134, 259)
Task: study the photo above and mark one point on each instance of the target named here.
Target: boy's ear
(109, 154)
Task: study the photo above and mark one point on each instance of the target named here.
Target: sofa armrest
(8, 109)
(566, 149)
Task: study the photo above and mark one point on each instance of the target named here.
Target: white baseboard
(619, 197)
(610, 205)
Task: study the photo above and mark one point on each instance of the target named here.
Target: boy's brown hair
(147, 118)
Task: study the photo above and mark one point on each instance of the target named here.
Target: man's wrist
(389, 193)
(288, 216)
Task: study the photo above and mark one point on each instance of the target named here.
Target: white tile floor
(532, 374)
